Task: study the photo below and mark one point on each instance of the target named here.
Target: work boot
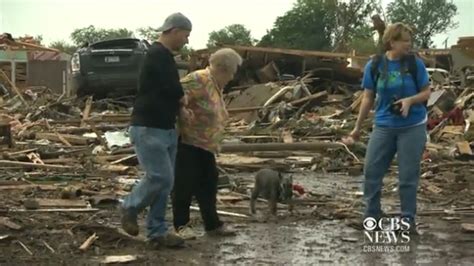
(186, 232)
(129, 222)
(222, 231)
(169, 240)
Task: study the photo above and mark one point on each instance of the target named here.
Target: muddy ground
(316, 234)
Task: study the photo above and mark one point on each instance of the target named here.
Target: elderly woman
(400, 82)
(200, 137)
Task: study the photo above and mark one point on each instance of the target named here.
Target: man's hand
(187, 113)
(406, 104)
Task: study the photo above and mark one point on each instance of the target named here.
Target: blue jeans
(156, 151)
(409, 144)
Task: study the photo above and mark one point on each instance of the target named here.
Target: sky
(56, 19)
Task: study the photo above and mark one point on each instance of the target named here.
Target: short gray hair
(225, 59)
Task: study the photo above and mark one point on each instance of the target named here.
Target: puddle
(314, 241)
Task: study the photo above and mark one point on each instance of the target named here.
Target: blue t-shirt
(387, 90)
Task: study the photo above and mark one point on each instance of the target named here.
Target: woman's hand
(352, 137)
(184, 100)
(406, 104)
(186, 113)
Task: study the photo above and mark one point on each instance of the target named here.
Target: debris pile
(72, 156)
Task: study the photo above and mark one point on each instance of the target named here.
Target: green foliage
(63, 47)
(426, 17)
(38, 38)
(91, 34)
(320, 25)
(363, 41)
(149, 33)
(186, 52)
(306, 26)
(235, 34)
(353, 23)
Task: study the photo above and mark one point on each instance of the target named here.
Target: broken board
(60, 203)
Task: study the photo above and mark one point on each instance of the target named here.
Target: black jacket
(159, 90)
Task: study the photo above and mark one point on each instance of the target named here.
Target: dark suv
(107, 66)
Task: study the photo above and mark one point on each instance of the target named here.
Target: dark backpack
(408, 63)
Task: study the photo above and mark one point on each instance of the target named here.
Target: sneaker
(222, 231)
(169, 240)
(129, 223)
(186, 233)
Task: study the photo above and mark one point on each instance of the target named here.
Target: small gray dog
(272, 186)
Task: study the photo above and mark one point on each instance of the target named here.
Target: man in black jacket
(153, 133)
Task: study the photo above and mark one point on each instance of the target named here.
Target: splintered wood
(5, 78)
(87, 111)
(88, 243)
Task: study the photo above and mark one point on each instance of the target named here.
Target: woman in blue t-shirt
(400, 120)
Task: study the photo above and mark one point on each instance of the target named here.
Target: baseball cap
(176, 20)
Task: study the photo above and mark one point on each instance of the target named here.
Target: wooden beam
(302, 53)
(34, 165)
(60, 203)
(72, 139)
(15, 89)
(301, 146)
(309, 98)
(87, 111)
(63, 140)
(244, 109)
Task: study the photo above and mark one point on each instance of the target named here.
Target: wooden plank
(119, 259)
(309, 98)
(124, 159)
(61, 203)
(36, 47)
(63, 140)
(302, 53)
(21, 152)
(34, 165)
(72, 139)
(244, 109)
(28, 186)
(61, 161)
(57, 210)
(298, 146)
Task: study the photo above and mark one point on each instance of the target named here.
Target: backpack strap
(374, 69)
(413, 68)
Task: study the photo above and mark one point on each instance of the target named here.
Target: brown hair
(395, 32)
